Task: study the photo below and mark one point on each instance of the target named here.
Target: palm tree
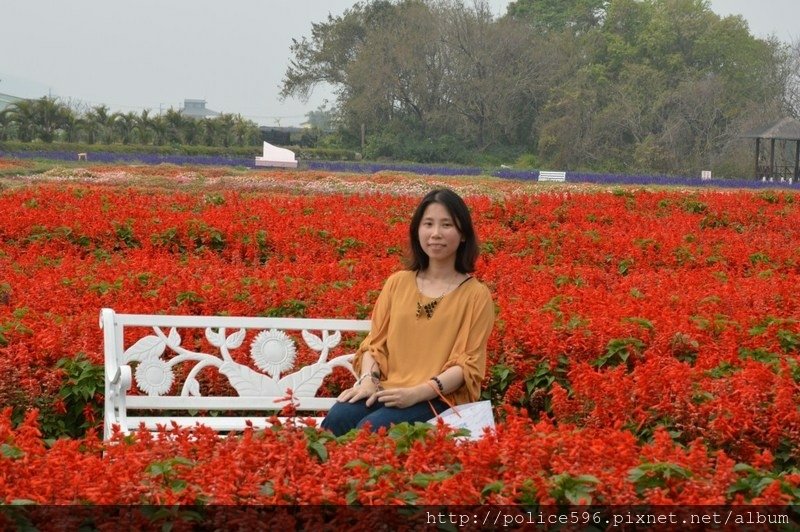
(124, 124)
(245, 132)
(52, 117)
(159, 127)
(71, 126)
(224, 129)
(24, 117)
(99, 124)
(144, 127)
(6, 124)
(208, 126)
(88, 129)
(175, 123)
(191, 131)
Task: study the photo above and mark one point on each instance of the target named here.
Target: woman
(430, 326)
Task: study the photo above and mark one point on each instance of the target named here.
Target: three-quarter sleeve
(469, 349)
(375, 341)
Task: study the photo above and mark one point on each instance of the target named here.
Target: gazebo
(785, 129)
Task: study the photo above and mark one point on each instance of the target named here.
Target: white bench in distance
(144, 351)
(546, 175)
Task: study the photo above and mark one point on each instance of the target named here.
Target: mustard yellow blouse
(411, 350)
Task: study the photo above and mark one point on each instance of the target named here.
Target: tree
(174, 122)
(243, 133)
(575, 16)
(39, 119)
(791, 77)
(322, 119)
(98, 124)
(143, 127)
(663, 88)
(160, 128)
(6, 124)
(208, 131)
(397, 77)
(498, 74)
(424, 75)
(124, 126)
(224, 130)
(334, 44)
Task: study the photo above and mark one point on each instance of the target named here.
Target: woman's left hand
(399, 397)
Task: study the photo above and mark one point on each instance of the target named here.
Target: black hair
(467, 252)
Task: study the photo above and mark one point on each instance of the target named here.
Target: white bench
(146, 352)
(545, 175)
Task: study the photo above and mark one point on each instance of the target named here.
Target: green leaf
(422, 480)
(267, 489)
(318, 448)
(642, 322)
(9, 451)
(493, 487)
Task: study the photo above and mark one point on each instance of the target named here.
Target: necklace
(429, 307)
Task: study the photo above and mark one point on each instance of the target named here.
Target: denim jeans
(344, 417)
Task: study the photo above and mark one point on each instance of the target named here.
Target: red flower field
(647, 347)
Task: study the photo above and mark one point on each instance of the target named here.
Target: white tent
(275, 156)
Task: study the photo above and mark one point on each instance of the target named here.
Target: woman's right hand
(367, 389)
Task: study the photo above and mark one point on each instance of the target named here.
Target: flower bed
(646, 349)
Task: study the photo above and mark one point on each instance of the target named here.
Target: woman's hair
(467, 252)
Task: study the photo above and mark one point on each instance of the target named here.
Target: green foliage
(10, 451)
(405, 434)
(403, 147)
(168, 238)
(500, 378)
(618, 351)
(558, 15)
(723, 370)
(539, 384)
(569, 489)
(316, 440)
(527, 160)
(81, 395)
(166, 472)
(293, 308)
(684, 347)
(753, 481)
(656, 475)
(204, 237)
(302, 152)
(13, 325)
(125, 234)
(188, 296)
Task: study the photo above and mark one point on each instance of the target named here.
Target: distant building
(7, 100)
(197, 109)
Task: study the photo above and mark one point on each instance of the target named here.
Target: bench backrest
(151, 353)
(546, 175)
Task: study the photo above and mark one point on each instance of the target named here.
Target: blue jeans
(343, 417)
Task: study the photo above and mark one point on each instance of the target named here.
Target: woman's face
(438, 234)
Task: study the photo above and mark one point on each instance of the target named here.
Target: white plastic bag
(471, 416)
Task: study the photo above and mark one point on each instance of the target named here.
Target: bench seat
(546, 175)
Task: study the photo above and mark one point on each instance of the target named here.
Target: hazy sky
(152, 54)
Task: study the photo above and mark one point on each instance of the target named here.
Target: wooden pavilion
(785, 129)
